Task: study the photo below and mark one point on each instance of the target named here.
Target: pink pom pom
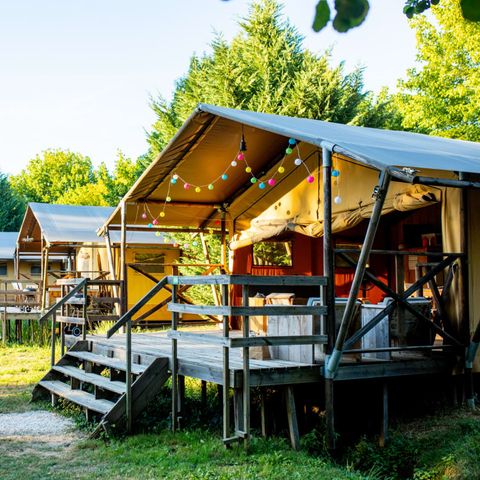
(155, 221)
(144, 215)
(271, 182)
(186, 186)
(310, 179)
(240, 156)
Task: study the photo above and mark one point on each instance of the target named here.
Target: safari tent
(276, 191)
(317, 211)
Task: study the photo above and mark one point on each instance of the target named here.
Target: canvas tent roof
(8, 243)
(67, 226)
(209, 140)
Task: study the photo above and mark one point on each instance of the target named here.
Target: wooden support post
(206, 254)
(203, 397)
(128, 376)
(263, 413)
(54, 339)
(238, 409)
(246, 371)
(181, 397)
(328, 293)
(84, 311)
(223, 252)
(400, 283)
(226, 368)
(44, 271)
(292, 418)
(4, 326)
(123, 256)
(384, 429)
(62, 338)
(111, 266)
(174, 364)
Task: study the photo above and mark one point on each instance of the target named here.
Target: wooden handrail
(127, 316)
(63, 300)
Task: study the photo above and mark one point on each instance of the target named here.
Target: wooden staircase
(90, 376)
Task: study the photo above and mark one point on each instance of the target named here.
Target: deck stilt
(384, 428)
(292, 418)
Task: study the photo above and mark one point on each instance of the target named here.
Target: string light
(224, 176)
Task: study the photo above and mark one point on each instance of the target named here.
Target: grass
(444, 446)
(21, 367)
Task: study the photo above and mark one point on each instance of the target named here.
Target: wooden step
(137, 369)
(70, 320)
(79, 397)
(92, 378)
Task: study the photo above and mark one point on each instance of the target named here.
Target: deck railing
(227, 311)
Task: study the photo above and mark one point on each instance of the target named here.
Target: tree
(51, 175)
(441, 94)
(284, 79)
(13, 208)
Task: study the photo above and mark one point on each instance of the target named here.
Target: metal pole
(380, 193)
(224, 260)
(329, 301)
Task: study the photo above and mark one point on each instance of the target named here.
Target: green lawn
(445, 446)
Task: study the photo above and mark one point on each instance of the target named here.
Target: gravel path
(35, 424)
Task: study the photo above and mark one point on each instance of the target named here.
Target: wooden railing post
(84, 311)
(54, 339)
(226, 368)
(128, 374)
(174, 363)
(246, 371)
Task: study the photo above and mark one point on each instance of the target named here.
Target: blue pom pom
(224, 176)
(261, 185)
(292, 141)
(335, 173)
(173, 180)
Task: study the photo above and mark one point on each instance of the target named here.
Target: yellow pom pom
(281, 169)
(198, 189)
(162, 214)
(248, 169)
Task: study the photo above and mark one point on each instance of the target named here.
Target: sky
(79, 74)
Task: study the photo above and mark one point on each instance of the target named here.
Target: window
(274, 254)
(150, 262)
(35, 269)
(3, 269)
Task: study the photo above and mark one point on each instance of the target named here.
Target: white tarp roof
(8, 243)
(380, 148)
(73, 225)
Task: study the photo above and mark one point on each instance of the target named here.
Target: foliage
(352, 13)
(60, 176)
(440, 96)
(470, 8)
(285, 79)
(13, 207)
(52, 174)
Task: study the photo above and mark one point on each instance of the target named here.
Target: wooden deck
(205, 362)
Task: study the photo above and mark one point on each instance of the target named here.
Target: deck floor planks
(205, 362)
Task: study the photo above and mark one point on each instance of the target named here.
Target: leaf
(471, 10)
(350, 14)
(322, 15)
